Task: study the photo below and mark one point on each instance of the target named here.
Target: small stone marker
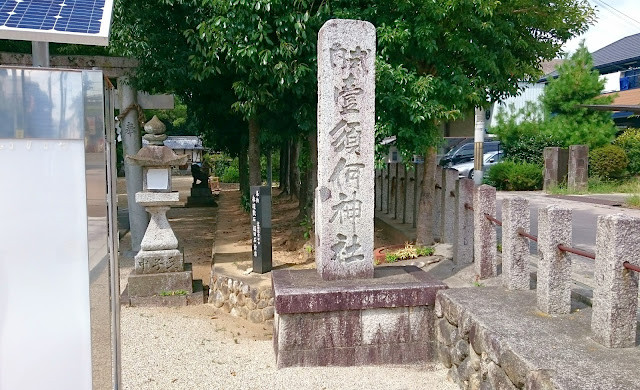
(615, 296)
(346, 104)
(261, 228)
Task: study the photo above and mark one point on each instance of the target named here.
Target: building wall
(531, 93)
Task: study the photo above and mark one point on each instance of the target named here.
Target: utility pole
(478, 139)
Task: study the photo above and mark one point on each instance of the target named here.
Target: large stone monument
(348, 312)
(160, 275)
(346, 103)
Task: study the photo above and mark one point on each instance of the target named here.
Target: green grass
(599, 186)
(633, 201)
(391, 257)
(172, 293)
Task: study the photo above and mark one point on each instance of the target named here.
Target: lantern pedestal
(160, 277)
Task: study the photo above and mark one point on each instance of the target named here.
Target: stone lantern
(159, 266)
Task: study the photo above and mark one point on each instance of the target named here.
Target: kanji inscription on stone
(346, 102)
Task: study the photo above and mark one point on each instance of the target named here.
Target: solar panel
(66, 21)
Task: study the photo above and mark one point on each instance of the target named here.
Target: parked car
(466, 169)
(464, 153)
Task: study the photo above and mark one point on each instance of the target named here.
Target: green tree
(435, 60)
(577, 84)
(268, 47)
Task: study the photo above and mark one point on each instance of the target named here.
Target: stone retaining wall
(476, 358)
(241, 300)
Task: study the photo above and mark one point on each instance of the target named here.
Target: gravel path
(199, 348)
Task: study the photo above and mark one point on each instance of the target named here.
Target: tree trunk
(269, 155)
(243, 167)
(308, 178)
(424, 223)
(284, 167)
(280, 166)
(294, 172)
(312, 183)
(255, 177)
(303, 198)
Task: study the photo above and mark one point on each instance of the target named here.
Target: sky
(616, 19)
(612, 24)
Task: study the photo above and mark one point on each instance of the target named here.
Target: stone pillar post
(411, 190)
(405, 186)
(346, 140)
(556, 163)
(437, 205)
(449, 178)
(485, 240)
(515, 248)
(132, 142)
(463, 237)
(615, 296)
(554, 266)
(393, 200)
(418, 194)
(578, 167)
(387, 190)
(378, 189)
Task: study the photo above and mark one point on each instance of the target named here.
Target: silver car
(466, 169)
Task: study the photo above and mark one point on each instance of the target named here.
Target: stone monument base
(388, 319)
(201, 196)
(164, 289)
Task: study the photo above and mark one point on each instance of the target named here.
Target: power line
(612, 9)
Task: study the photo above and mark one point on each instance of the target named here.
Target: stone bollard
(484, 244)
(437, 205)
(515, 248)
(463, 241)
(554, 266)
(578, 167)
(393, 190)
(615, 296)
(447, 231)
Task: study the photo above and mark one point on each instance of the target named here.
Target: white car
(466, 169)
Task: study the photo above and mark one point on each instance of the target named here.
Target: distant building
(190, 145)
(621, 61)
(462, 130)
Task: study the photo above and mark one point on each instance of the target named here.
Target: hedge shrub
(630, 142)
(523, 134)
(515, 176)
(231, 174)
(608, 162)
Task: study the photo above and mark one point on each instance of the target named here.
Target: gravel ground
(199, 348)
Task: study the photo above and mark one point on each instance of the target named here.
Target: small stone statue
(200, 176)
